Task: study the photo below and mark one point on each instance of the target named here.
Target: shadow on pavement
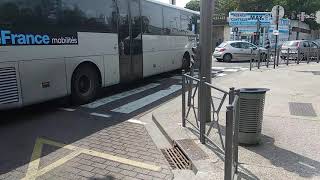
(20, 128)
(288, 160)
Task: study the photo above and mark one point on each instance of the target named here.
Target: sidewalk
(290, 145)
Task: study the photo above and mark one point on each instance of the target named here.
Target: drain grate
(176, 158)
(302, 109)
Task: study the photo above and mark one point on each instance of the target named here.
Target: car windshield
(291, 43)
(222, 45)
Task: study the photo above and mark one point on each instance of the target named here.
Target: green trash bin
(251, 114)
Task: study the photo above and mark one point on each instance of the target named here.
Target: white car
(237, 51)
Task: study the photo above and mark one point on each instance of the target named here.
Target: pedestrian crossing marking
(136, 121)
(33, 170)
(100, 115)
(135, 105)
(119, 96)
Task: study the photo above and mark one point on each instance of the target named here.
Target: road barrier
(190, 112)
(283, 56)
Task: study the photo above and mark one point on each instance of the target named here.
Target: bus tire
(85, 84)
(186, 60)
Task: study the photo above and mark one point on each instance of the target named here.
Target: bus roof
(173, 6)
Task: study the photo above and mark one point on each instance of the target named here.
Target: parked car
(237, 50)
(305, 47)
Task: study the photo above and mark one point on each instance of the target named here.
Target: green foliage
(193, 5)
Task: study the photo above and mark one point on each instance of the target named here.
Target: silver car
(305, 46)
(237, 51)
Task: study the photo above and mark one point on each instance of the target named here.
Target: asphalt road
(111, 118)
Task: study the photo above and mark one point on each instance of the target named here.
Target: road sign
(275, 32)
(274, 12)
(245, 19)
(235, 29)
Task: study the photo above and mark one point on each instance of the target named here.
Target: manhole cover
(176, 158)
(302, 109)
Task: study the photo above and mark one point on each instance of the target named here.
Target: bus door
(130, 40)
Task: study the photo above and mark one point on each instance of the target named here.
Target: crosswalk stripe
(100, 115)
(67, 109)
(135, 105)
(136, 121)
(116, 97)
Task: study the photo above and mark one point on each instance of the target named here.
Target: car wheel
(85, 84)
(227, 58)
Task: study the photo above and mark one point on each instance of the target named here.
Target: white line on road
(221, 74)
(116, 97)
(231, 70)
(135, 105)
(67, 109)
(136, 121)
(100, 115)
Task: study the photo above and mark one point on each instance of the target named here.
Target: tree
(193, 5)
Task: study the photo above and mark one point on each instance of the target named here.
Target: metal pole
(276, 43)
(206, 57)
(203, 111)
(236, 132)
(259, 60)
(231, 95)
(298, 56)
(318, 55)
(228, 164)
(308, 56)
(288, 56)
(268, 58)
(183, 99)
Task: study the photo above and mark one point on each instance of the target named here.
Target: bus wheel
(186, 62)
(85, 84)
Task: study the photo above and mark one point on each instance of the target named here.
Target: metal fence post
(268, 57)
(259, 60)
(183, 99)
(228, 164)
(190, 84)
(236, 132)
(288, 56)
(203, 113)
(298, 56)
(308, 56)
(278, 55)
(251, 56)
(231, 95)
(318, 55)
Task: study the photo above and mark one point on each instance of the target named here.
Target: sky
(180, 3)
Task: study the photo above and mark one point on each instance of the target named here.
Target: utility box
(251, 115)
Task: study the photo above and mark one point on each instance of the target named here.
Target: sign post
(277, 13)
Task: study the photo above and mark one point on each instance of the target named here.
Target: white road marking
(221, 74)
(67, 109)
(100, 115)
(135, 105)
(116, 97)
(136, 121)
(231, 70)
(218, 68)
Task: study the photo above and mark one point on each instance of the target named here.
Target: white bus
(55, 48)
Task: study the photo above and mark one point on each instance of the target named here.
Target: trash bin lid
(254, 90)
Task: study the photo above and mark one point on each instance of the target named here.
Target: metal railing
(286, 56)
(190, 107)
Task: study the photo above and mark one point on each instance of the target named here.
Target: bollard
(183, 99)
(288, 56)
(228, 164)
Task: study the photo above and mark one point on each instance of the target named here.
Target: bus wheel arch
(86, 82)
(186, 60)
